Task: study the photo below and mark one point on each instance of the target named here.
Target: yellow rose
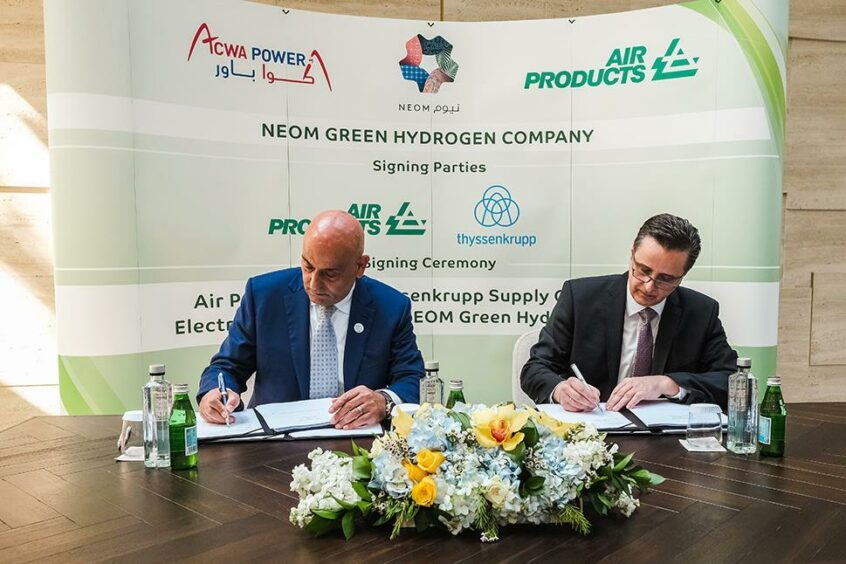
(429, 460)
(424, 492)
(499, 426)
(415, 474)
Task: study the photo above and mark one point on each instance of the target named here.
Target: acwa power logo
(624, 65)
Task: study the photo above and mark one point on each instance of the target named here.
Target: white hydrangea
(330, 477)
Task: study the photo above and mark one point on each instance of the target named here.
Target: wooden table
(64, 499)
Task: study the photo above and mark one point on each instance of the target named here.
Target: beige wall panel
(493, 10)
(25, 234)
(27, 346)
(815, 165)
(575, 8)
(412, 10)
(794, 334)
(817, 74)
(21, 31)
(826, 383)
(818, 19)
(23, 125)
(828, 312)
(814, 241)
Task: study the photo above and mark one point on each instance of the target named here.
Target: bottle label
(190, 440)
(764, 425)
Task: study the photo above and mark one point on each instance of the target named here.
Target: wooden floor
(64, 499)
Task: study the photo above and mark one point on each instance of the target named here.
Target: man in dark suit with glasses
(635, 336)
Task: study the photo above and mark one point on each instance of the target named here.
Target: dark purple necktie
(643, 356)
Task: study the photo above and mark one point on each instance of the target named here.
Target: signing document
(657, 415)
(306, 419)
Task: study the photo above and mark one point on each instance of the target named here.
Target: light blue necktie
(324, 357)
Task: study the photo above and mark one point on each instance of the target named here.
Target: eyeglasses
(662, 281)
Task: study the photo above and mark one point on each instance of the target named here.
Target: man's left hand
(632, 391)
(356, 408)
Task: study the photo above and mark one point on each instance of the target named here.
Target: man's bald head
(338, 229)
(333, 256)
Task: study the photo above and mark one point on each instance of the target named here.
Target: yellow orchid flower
(499, 426)
(558, 427)
(401, 422)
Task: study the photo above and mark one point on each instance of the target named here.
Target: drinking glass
(704, 424)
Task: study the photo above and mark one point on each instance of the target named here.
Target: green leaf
(344, 504)
(423, 520)
(531, 434)
(341, 453)
(603, 499)
(620, 466)
(319, 526)
(655, 479)
(325, 514)
(382, 520)
(518, 453)
(361, 468)
(362, 491)
(364, 506)
(534, 484)
(348, 524)
(598, 506)
(461, 418)
(358, 451)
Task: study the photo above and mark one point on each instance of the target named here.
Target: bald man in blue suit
(273, 334)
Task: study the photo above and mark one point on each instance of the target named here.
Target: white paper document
(308, 419)
(603, 420)
(663, 413)
(245, 423)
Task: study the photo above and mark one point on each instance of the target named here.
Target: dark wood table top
(63, 498)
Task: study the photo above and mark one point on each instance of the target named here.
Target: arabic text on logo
(239, 60)
(497, 208)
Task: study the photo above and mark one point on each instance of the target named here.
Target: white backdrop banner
(190, 143)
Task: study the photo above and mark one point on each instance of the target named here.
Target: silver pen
(578, 374)
(224, 397)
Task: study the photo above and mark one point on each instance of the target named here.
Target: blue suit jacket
(270, 336)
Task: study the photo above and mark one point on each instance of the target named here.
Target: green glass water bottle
(183, 430)
(456, 393)
(772, 418)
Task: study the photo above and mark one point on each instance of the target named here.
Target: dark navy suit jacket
(586, 328)
(270, 336)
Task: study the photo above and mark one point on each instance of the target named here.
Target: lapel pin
(358, 328)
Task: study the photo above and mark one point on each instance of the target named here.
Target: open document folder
(308, 419)
(659, 416)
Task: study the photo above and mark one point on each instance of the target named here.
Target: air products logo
(410, 66)
(625, 65)
(368, 214)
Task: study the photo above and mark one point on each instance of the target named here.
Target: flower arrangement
(470, 467)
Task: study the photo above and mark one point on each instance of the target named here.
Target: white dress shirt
(631, 328)
(340, 323)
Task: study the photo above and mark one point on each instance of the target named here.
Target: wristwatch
(389, 403)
